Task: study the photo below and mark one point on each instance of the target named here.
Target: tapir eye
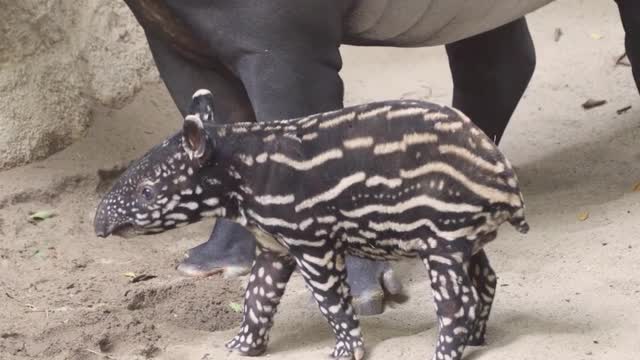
(147, 192)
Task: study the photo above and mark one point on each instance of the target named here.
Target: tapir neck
(240, 156)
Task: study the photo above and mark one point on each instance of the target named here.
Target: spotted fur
(384, 180)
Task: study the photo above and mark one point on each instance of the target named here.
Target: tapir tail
(519, 222)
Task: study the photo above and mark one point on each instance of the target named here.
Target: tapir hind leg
(291, 69)
(456, 302)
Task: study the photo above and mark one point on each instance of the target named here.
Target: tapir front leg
(269, 275)
(324, 271)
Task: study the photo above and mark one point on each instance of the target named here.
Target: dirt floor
(568, 290)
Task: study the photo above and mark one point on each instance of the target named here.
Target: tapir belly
(413, 23)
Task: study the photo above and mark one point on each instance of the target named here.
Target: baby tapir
(384, 180)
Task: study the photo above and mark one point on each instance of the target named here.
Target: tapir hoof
(357, 354)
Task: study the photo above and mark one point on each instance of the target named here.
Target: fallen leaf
(582, 216)
(596, 36)
(235, 307)
(41, 215)
(37, 253)
(130, 274)
(591, 103)
(636, 187)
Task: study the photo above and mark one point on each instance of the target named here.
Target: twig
(623, 110)
(99, 354)
(557, 34)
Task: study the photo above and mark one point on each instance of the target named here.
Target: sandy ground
(568, 290)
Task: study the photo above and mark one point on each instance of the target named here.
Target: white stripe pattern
(373, 113)
(332, 193)
(448, 126)
(472, 158)
(308, 164)
(297, 242)
(407, 140)
(418, 201)
(270, 221)
(275, 199)
(357, 143)
(379, 180)
(491, 194)
(407, 227)
(337, 120)
(402, 113)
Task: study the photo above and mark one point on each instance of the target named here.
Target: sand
(567, 290)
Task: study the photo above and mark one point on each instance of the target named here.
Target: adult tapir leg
(490, 73)
(289, 67)
(231, 247)
(630, 15)
(288, 84)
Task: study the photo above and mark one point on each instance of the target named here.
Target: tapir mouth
(125, 230)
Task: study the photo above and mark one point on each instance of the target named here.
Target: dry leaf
(623, 110)
(130, 274)
(557, 34)
(582, 216)
(41, 215)
(592, 103)
(596, 36)
(636, 187)
(235, 307)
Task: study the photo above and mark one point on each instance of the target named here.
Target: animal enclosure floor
(570, 289)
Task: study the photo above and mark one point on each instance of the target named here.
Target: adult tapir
(280, 59)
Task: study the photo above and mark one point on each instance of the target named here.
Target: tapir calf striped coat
(383, 180)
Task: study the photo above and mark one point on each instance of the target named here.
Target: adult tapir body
(280, 59)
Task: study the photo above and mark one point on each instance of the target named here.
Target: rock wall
(58, 59)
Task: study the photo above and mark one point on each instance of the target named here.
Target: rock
(58, 59)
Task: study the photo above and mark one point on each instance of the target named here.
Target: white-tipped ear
(194, 138)
(202, 105)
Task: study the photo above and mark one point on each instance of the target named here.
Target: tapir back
(402, 162)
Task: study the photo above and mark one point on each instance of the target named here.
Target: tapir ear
(202, 105)
(194, 137)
